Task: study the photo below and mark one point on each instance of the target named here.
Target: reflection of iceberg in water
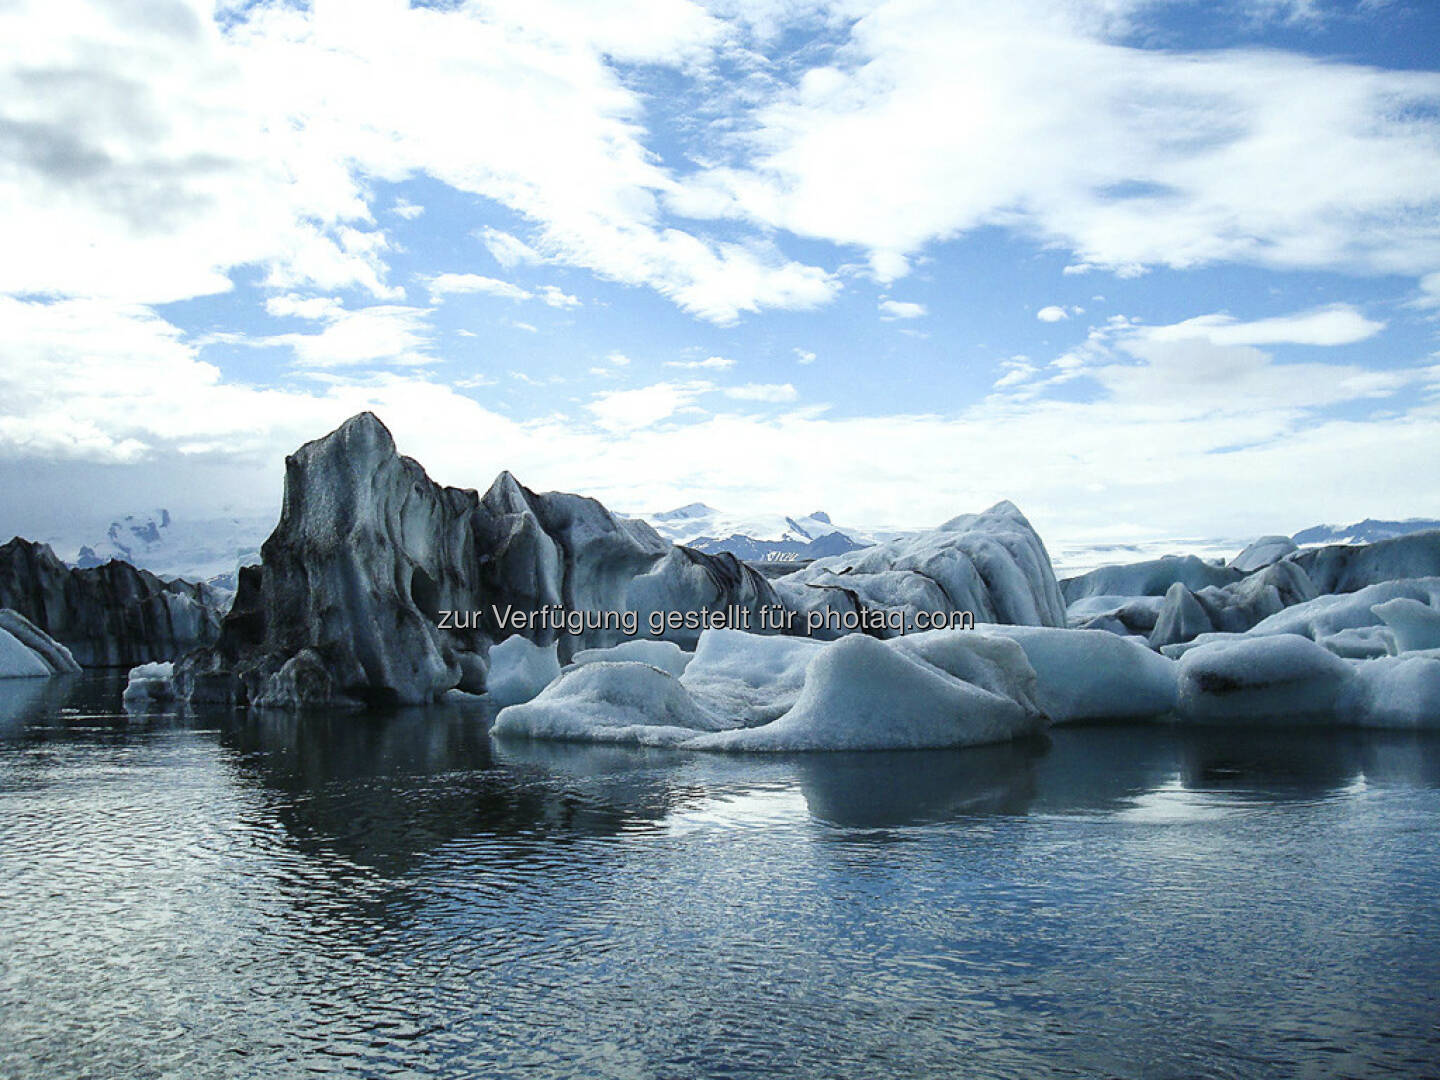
(898, 788)
(22, 700)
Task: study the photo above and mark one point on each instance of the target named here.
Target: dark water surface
(245, 895)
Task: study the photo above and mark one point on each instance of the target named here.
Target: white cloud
(406, 209)
(628, 410)
(767, 392)
(289, 305)
(619, 359)
(900, 309)
(1127, 157)
(710, 363)
(804, 356)
(1052, 313)
(508, 250)
(384, 333)
(558, 298)
(1337, 324)
(443, 285)
(163, 152)
(1429, 292)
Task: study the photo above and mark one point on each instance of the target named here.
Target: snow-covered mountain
(1363, 532)
(196, 549)
(760, 538)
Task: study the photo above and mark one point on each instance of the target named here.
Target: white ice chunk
(665, 655)
(620, 702)
(1094, 675)
(1394, 692)
(1415, 625)
(1327, 615)
(1361, 642)
(520, 669)
(1280, 679)
(19, 661)
(749, 678)
(150, 683)
(861, 693)
(55, 657)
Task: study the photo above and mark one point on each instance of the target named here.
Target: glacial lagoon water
(243, 895)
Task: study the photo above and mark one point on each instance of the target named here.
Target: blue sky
(1145, 268)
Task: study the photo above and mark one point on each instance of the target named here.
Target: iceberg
(1154, 577)
(1261, 553)
(26, 650)
(1282, 678)
(992, 564)
(745, 692)
(1094, 675)
(150, 684)
(1344, 568)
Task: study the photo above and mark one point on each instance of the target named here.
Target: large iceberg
(379, 586)
(112, 615)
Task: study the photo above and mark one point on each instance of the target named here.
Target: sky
(1146, 268)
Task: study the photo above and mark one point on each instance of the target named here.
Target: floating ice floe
(150, 684)
(520, 669)
(1287, 679)
(745, 692)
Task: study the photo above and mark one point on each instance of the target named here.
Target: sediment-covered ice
(1342, 568)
